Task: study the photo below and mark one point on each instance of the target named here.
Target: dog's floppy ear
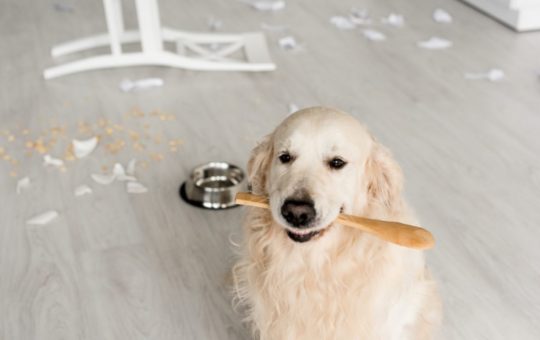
(258, 165)
(384, 179)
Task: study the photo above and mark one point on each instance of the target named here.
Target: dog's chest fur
(363, 289)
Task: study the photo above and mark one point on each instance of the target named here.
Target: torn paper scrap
(82, 190)
(82, 148)
(273, 28)
(49, 160)
(293, 108)
(142, 84)
(266, 5)
(135, 188)
(23, 183)
(374, 35)
(393, 19)
(120, 174)
(442, 16)
(288, 43)
(43, 218)
(435, 43)
(359, 17)
(103, 179)
(342, 23)
(492, 75)
(130, 170)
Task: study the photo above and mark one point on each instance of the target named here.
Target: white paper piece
(374, 35)
(120, 174)
(435, 43)
(130, 170)
(442, 16)
(266, 5)
(289, 43)
(360, 17)
(273, 28)
(23, 183)
(48, 160)
(342, 23)
(103, 179)
(82, 148)
(43, 218)
(293, 108)
(82, 190)
(492, 75)
(214, 24)
(142, 84)
(135, 188)
(393, 19)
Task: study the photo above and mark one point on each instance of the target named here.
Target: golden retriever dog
(303, 276)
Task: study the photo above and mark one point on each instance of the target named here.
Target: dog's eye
(285, 158)
(336, 163)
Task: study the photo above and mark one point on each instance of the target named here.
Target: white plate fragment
(289, 43)
(442, 16)
(492, 75)
(82, 148)
(103, 179)
(23, 183)
(393, 19)
(265, 5)
(293, 108)
(43, 218)
(82, 190)
(49, 160)
(435, 43)
(128, 85)
(120, 174)
(130, 170)
(360, 17)
(136, 188)
(374, 35)
(342, 23)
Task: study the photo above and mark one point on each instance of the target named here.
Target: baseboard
(521, 15)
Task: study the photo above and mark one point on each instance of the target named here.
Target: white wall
(522, 15)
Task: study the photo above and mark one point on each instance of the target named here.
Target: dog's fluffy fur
(342, 284)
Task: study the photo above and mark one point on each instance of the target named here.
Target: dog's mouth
(302, 236)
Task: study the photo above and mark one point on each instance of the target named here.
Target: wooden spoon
(399, 233)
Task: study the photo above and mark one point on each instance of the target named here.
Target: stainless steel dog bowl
(213, 185)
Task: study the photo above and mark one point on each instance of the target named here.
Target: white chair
(194, 51)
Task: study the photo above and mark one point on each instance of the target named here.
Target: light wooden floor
(119, 266)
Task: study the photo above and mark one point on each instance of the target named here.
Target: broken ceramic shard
(120, 174)
(23, 183)
(288, 43)
(128, 85)
(435, 43)
(49, 160)
(136, 188)
(492, 75)
(82, 190)
(342, 23)
(266, 5)
(373, 35)
(82, 148)
(442, 16)
(131, 167)
(43, 218)
(394, 19)
(103, 179)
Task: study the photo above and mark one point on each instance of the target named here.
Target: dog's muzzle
(299, 214)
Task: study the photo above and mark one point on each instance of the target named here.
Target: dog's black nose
(298, 213)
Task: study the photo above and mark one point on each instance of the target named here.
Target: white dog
(301, 276)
